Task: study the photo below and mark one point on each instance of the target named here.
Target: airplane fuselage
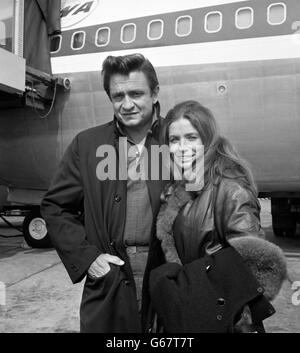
(239, 58)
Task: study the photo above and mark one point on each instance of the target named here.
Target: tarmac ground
(40, 297)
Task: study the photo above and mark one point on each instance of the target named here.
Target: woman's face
(185, 145)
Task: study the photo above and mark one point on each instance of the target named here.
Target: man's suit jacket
(108, 303)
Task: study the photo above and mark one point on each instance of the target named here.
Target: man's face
(132, 99)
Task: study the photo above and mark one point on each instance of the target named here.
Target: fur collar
(174, 199)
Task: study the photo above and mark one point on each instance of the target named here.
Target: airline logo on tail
(74, 11)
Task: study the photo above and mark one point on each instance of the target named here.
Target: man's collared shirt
(139, 215)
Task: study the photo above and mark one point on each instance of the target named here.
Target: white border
(268, 13)
(72, 39)
(176, 26)
(108, 37)
(205, 21)
(162, 29)
(252, 17)
(122, 30)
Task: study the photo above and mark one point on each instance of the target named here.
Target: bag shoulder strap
(222, 239)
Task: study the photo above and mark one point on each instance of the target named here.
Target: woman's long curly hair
(220, 157)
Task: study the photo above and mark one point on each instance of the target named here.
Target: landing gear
(284, 221)
(35, 230)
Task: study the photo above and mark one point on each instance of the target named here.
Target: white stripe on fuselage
(266, 48)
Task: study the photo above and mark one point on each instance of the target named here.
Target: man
(115, 247)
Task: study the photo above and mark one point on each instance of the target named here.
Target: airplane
(240, 58)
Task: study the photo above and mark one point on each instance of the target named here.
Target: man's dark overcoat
(85, 217)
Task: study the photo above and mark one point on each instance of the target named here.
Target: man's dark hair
(126, 64)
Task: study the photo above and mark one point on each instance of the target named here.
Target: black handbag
(208, 295)
(215, 293)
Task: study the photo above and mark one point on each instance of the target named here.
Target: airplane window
(183, 26)
(128, 33)
(277, 13)
(155, 29)
(102, 36)
(55, 44)
(213, 22)
(78, 40)
(244, 18)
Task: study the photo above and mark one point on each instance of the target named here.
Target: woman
(192, 225)
(227, 191)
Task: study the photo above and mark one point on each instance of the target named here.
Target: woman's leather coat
(219, 213)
